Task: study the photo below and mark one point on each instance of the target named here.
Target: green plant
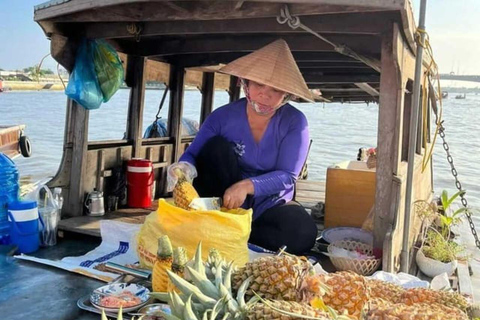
(438, 248)
(438, 244)
(448, 220)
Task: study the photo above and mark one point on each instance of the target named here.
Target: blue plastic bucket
(24, 227)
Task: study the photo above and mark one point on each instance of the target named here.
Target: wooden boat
(13, 142)
(369, 56)
(366, 53)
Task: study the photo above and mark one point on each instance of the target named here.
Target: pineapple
(163, 263)
(380, 309)
(204, 298)
(279, 278)
(178, 265)
(420, 295)
(384, 290)
(264, 310)
(348, 292)
(184, 192)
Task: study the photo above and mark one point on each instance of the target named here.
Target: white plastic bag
(187, 169)
(49, 212)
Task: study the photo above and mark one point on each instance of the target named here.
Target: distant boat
(13, 142)
(461, 96)
(444, 94)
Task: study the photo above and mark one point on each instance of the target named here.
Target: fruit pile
(286, 287)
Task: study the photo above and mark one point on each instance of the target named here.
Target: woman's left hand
(236, 194)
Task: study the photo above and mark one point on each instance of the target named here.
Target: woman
(251, 151)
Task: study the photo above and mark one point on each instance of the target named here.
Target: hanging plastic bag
(83, 84)
(227, 231)
(108, 67)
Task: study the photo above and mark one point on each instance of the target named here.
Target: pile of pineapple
(286, 287)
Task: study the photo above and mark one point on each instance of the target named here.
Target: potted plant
(439, 251)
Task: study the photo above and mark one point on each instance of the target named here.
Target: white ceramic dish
(119, 288)
(332, 235)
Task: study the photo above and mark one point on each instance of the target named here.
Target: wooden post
(208, 94)
(78, 136)
(234, 90)
(175, 110)
(387, 138)
(135, 72)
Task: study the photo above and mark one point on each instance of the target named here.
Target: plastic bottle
(9, 191)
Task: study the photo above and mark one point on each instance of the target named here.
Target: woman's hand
(235, 196)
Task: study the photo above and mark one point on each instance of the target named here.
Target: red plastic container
(140, 179)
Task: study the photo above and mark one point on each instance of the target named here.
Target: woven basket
(371, 162)
(364, 267)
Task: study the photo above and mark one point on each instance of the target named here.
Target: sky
(453, 26)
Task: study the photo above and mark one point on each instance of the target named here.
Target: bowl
(152, 311)
(332, 235)
(112, 291)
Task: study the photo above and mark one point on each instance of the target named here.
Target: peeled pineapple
(179, 262)
(184, 192)
(163, 263)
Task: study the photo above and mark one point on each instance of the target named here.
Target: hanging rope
(157, 116)
(295, 23)
(432, 73)
(134, 29)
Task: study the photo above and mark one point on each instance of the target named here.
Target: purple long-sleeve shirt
(273, 164)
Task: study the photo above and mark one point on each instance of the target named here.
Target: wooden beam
(390, 87)
(175, 111)
(128, 10)
(208, 95)
(78, 131)
(136, 72)
(324, 24)
(209, 59)
(234, 89)
(343, 78)
(368, 89)
(362, 44)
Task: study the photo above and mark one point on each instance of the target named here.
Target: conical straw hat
(272, 65)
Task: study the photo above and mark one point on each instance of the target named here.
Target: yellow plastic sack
(226, 231)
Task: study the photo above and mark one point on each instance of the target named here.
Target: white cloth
(118, 245)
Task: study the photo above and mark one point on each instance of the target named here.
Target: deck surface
(308, 193)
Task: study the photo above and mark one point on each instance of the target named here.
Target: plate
(332, 235)
(117, 289)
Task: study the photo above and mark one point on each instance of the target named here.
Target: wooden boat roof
(200, 33)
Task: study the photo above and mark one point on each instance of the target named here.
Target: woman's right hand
(236, 194)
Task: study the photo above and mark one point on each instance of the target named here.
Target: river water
(337, 130)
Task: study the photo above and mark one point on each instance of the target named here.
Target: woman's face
(267, 98)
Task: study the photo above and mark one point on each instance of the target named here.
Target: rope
(134, 29)
(430, 72)
(295, 23)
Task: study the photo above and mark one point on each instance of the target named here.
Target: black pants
(288, 224)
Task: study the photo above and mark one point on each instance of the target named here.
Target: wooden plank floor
(308, 193)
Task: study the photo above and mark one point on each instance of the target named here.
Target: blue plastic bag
(83, 86)
(108, 67)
